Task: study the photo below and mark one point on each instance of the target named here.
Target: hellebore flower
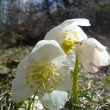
(92, 54)
(41, 71)
(68, 34)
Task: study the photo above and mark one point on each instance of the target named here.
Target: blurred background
(25, 22)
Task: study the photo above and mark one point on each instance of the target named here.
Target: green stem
(31, 101)
(75, 82)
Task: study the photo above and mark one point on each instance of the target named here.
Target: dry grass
(94, 89)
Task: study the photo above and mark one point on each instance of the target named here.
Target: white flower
(42, 71)
(92, 54)
(68, 34)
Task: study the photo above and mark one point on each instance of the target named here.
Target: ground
(94, 89)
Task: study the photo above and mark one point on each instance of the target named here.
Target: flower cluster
(47, 69)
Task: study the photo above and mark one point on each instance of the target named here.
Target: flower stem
(75, 82)
(31, 101)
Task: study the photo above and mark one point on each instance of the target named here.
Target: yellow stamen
(43, 73)
(69, 43)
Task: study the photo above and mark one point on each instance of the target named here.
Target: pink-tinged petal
(95, 43)
(91, 67)
(79, 21)
(65, 76)
(86, 53)
(92, 54)
(96, 59)
(55, 100)
(54, 34)
(20, 90)
(104, 58)
(51, 51)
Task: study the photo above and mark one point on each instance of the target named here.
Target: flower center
(43, 73)
(70, 41)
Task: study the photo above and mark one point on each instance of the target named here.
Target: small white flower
(42, 71)
(92, 54)
(68, 34)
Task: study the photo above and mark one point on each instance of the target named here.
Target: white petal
(20, 90)
(54, 34)
(90, 68)
(21, 68)
(75, 28)
(104, 58)
(55, 100)
(86, 53)
(95, 43)
(64, 74)
(79, 21)
(69, 61)
(51, 51)
(96, 59)
(42, 43)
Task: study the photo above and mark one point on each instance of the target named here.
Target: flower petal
(77, 29)
(104, 58)
(55, 100)
(86, 53)
(90, 67)
(69, 61)
(20, 90)
(96, 59)
(65, 76)
(79, 21)
(21, 68)
(50, 51)
(54, 34)
(95, 43)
